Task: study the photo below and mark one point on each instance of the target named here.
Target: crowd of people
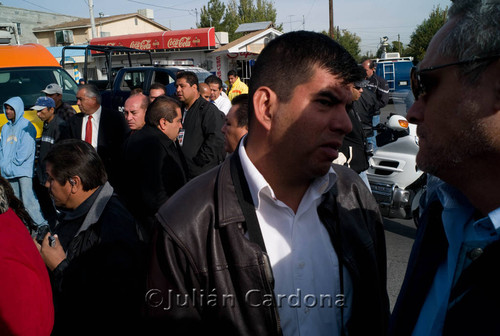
(221, 212)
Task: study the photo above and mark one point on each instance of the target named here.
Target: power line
(47, 9)
(164, 7)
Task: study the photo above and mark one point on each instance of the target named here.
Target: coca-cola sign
(178, 43)
(142, 45)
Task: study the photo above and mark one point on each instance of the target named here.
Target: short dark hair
(232, 73)
(213, 79)
(74, 157)
(292, 56)
(158, 86)
(241, 101)
(162, 107)
(190, 77)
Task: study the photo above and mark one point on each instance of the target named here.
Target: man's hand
(51, 255)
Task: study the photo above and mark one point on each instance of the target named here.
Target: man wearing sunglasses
(451, 285)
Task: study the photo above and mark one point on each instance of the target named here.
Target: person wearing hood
(17, 156)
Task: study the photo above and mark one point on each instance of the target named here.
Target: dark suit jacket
(203, 145)
(473, 307)
(156, 170)
(111, 135)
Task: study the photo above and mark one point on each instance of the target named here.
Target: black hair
(213, 79)
(190, 77)
(158, 86)
(232, 73)
(73, 157)
(288, 61)
(162, 107)
(242, 112)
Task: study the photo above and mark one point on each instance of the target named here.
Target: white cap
(52, 88)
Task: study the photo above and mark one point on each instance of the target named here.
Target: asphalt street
(399, 233)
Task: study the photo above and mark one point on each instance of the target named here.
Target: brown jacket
(206, 276)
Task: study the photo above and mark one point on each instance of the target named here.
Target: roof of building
(253, 26)
(84, 22)
(243, 39)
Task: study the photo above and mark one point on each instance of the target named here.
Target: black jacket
(354, 145)
(98, 288)
(50, 135)
(473, 307)
(111, 135)
(366, 107)
(155, 170)
(203, 143)
(380, 88)
(201, 248)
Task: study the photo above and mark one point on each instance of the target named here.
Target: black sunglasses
(417, 86)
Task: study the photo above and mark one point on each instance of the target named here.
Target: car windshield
(28, 82)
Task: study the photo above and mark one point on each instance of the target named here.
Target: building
(80, 31)
(26, 21)
(241, 54)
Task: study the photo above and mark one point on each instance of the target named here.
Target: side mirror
(398, 123)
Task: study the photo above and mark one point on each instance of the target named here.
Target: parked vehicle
(396, 71)
(116, 88)
(396, 182)
(27, 69)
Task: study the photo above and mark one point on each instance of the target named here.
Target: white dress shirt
(96, 117)
(303, 260)
(223, 104)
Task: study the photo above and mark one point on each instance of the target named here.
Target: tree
(350, 41)
(230, 16)
(421, 37)
(212, 15)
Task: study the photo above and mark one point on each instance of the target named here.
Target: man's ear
(76, 183)
(264, 105)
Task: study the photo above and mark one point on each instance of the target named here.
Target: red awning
(188, 39)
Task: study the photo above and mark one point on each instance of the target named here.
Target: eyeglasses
(418, 87)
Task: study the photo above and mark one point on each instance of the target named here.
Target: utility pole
(92, 20)
(332, 27)
(399, 45)
(290, 19)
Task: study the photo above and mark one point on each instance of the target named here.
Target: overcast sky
(369, 19)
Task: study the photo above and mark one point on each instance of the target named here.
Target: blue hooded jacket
(17, 143)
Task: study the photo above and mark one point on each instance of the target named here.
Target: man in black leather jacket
(276, 240)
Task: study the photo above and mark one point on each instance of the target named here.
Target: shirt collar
(453, 200)
(96, 116)
(258, 184)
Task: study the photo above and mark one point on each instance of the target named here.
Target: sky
(369, 19)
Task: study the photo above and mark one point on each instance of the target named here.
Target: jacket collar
(97, 207)
(229, 210)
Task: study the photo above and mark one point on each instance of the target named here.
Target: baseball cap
(43, 102)
(361, 84)
(52, 88)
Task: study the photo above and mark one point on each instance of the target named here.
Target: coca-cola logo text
(177, 43)
(142, 45)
